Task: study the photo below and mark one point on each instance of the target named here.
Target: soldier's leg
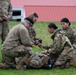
(25, 55)
(5, 30)
(7, 60)
(23, 61)
(63, 60)
(73, 60)
(0, 30)
(12, 53)
(8, 57)
(20, 51)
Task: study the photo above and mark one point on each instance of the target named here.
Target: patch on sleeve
(63, 32)
(59, 35)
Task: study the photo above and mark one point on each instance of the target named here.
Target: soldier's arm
(74, 36)
(58, 45)
(46, 47)
(32, 34)
(10, 10)
(25, 38)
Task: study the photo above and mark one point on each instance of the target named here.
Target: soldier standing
(17, 44)
(5, 14)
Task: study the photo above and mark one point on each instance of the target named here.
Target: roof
(48, 14)
(21, 3)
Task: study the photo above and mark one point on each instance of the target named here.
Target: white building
(18, 10)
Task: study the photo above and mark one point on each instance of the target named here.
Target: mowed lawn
(41, 30)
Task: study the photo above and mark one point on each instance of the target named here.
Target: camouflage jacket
(17, 36)
(71, 34)
(5, 8)
(60, 41)
(35, 61)
(32, 33)
(52, 37)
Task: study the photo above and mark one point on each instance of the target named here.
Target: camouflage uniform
(32, 33)
(34, 61)
(60, 43)
(5, 11)
(70, 32)
(17, 44)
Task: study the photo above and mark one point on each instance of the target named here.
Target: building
(18, 10)
(48, 10)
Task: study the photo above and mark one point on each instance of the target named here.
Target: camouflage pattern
(35, 61)
(63, 61)
(17, 44)
(32, 33)
(73, 60)
(52, 37)
(60, 43)
(70, 32)
(4, 29)
(5, 12)
(67, 55)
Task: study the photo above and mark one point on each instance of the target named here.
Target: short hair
(52, 25)
(33, 15)
(66, 20)
(36, 15)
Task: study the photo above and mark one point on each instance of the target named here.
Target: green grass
(41, 30)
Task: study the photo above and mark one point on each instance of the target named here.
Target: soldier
(60, 43)
(36, 61)
(5, 15)
(33, 18)
(35, 65)
(70, 32)
(17, 44)
(32, 33)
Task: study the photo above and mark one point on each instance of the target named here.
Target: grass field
(41, 30)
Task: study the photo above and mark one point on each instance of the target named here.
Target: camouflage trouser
(33, 61)
(10, 55)
(4, 29)
(63, 61)
(73, 60)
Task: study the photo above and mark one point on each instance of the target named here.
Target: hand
(31, 44)
(40, 45)
(1, 19)
(8, 17)
(44, 52)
